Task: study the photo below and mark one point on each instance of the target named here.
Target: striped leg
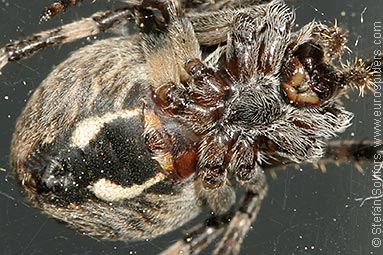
(233, 225)
(97, 23)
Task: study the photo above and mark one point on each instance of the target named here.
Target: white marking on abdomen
(86, 130)
(109, 191)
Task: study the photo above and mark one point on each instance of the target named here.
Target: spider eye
(307, 78)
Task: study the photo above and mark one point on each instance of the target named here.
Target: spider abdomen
(89, 153)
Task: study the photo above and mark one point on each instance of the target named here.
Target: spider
(164, 97)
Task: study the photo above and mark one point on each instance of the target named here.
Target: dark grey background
(305, 212)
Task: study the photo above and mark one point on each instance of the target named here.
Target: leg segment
(197, 238)
(353, 151)
(235, 226)
(97, 23)
(56, 8)
(240, 223)
(207, 5)
(212, 25)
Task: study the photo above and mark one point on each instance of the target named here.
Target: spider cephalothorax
(267, 94)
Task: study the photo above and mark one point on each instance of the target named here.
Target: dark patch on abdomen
(62, 173)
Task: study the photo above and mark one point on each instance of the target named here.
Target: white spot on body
(87, 129)
(108, 191)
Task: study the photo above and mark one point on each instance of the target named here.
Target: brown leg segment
(56, 8)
